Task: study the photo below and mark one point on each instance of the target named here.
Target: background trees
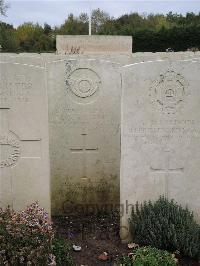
(152, 32)
(3, 7)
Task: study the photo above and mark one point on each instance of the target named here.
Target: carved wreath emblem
(83, 82)
(9, 150)
(168, 92)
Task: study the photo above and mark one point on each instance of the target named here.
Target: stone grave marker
(84, 114)
(24, 141)
(160, 136)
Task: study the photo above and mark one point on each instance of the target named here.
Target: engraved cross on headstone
(167, 169)
(84, 150)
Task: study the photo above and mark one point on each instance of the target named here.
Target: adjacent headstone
(160, 137)
(24, 145)
(24, 59)
(81, 44)
(84, 115)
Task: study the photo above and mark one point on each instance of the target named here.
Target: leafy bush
(166, 225)
(147, 256)
(25, 237)
(61, 250)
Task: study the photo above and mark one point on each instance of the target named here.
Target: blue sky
(55, 12)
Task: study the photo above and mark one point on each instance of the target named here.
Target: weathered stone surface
(23, 59)
(24, 146)
(160, 137)
(84, 114)
(81, 44)
(120, 59)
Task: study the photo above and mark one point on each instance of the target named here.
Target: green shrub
(147, 256)
(61, 250)
(166, 225)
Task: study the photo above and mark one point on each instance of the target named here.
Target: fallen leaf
(133, 245)
(76, 248)
(103, 256)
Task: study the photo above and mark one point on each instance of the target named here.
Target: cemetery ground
(92, 239)
(96, 234)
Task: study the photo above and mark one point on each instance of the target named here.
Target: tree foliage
(150, 32)
(3, 7)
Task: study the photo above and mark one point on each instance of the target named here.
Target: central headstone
(84, 114)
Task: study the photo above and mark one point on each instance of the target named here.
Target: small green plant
(166, 225)
(61, 250)
(147, 256)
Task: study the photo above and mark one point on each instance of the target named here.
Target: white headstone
(84, 113)
(160, 138)
(24, 146)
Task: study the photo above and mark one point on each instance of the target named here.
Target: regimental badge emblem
(83, 82)
(168, 92)
(9, 150)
